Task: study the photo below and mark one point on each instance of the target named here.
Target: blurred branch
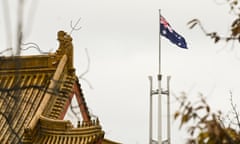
(74, 27)
(234, 28)
(81, 76)
(205, 126)
(6, 50)
(34, 46)
(235, 35)
(234, 108)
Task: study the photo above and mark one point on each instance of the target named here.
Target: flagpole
(168, 111)
(150, 111)
(159, 89)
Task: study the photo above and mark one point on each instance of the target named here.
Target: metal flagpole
(159, 89)
(150, 111)
(168, 111)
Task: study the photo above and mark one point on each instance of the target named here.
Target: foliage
(234, 28)
(204, 126)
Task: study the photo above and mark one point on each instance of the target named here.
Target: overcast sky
(122, 39)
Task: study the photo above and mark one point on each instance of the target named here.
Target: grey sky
(122, 40)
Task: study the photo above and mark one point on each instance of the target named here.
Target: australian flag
(167, 31)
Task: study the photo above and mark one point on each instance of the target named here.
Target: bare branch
(234, 108)
(6, 50)
(81, 76)
(74, 28)
(34, 46)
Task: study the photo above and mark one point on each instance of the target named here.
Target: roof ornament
(65, 47)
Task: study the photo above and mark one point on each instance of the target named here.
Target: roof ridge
(47, 96)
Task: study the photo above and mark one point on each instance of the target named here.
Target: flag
(167, 31)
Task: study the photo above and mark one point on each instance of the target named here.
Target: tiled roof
(35, 92)
(62, 132)
(107, 141)
(21, 93)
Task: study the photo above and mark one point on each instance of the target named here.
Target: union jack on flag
(167, 31)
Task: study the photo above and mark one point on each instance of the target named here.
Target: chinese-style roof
(35, 92)
(62, 132)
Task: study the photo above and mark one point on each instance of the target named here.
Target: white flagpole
(168, 111)
(150, 111)
(159, 89)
